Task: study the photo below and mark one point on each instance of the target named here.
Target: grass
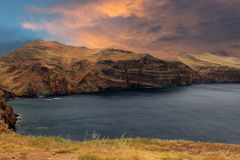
(209, 59)
(118, 149)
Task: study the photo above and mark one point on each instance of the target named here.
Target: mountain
(213, 68)
(49, 68)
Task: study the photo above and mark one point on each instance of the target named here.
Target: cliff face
(213, 68)
(143, 72)
(6, 112)
(52, 68)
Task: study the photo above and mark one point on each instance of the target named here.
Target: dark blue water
(200, 112)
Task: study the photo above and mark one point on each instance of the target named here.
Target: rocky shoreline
(7, 115)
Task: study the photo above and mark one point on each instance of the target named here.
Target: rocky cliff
(213, 68)
(7, 117)
(46, 68)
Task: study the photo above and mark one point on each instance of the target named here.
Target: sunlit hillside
(209, 59)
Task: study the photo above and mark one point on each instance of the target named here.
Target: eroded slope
(42, 68)
(213, 68)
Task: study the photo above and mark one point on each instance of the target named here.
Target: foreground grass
(14, 146)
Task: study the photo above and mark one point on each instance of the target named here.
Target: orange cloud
(97, 9)
(124, 8)
(155, 26)
(28, 25)
(75, 20)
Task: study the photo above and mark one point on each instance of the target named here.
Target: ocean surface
(209, 112)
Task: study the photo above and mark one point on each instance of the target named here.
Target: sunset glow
(163, 28)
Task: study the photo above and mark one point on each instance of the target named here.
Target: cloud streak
(161, 27)
(27, 25)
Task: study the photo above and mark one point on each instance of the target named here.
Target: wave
(50, 99)
(57, 98)
(19, 117)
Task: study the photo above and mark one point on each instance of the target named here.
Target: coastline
(172, 92)
(49, 96)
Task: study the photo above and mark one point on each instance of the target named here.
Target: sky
(160, 27)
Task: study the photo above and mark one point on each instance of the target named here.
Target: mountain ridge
(50, 67)
(42, 68)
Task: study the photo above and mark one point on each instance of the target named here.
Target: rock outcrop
(4, 128)
(6, 112)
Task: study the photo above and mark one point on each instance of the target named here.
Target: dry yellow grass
(14, 146)
(208, 59)
(220, 60)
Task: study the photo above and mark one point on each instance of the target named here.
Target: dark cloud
(162, 27)
(237, 46)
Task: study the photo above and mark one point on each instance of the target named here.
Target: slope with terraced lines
(213, 68)
(46, 68)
